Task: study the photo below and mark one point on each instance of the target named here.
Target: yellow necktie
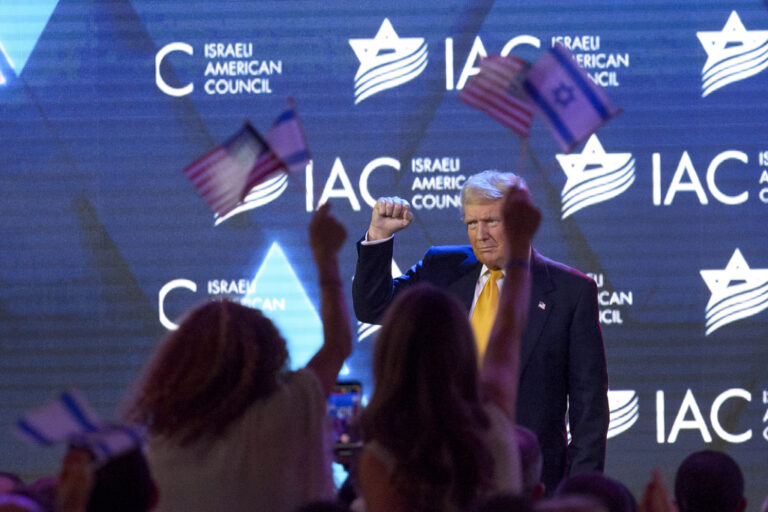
(485, 312)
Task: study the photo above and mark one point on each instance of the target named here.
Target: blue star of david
(563, 95)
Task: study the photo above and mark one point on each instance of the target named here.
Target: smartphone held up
(344, 404)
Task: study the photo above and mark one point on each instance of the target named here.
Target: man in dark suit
(562, 360)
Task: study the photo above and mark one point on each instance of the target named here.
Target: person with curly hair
(231, 428)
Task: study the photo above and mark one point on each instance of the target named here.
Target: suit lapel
(464, 286)
(541, 305)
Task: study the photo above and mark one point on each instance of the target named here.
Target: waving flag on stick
(224, 175)
(496, 90)
(70, 418)
(286, 138)
(573, 106)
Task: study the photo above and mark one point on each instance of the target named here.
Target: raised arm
(501, 364)
(372, 288)
(326, 236)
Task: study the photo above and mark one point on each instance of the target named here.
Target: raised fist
(390, 215)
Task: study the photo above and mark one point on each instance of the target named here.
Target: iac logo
(624, 411)
(231, 68)
(20, 29)
(387, 61)
(594, 176)
(737, 292)
(259, 195)
(723, 417)
(733, 54)
(687, 179)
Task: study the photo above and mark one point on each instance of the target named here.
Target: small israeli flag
(573, 106)
(59, 419)
(286, 137)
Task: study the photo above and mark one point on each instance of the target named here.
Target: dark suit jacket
(562, 360)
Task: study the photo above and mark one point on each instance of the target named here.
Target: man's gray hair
(488, 186)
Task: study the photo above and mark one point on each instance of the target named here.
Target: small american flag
(224, 175)
(286, 138)
(497, 91)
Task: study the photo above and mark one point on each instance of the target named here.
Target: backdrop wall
(105, 243)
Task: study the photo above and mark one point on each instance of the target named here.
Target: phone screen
(343, 405)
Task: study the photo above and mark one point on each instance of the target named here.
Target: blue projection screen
(105, 242)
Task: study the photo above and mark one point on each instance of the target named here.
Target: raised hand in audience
(656, 497)
(499, 374)
(326, 236)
